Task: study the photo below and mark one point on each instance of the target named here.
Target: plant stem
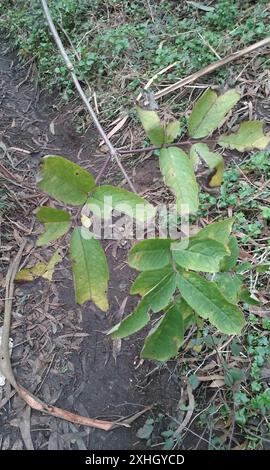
(152, 148)
(70, 67)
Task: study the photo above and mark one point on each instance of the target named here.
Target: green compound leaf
(166, 337)
(106, 198)
(201, 255)
(56, 223)
(208, 301)
(209, 112)
(213, 160)
(249, 136)
(152, 125)
(132, 323)
(90, 268)
(65, 181)
(151, 254)
(229, 261)
(178, 173)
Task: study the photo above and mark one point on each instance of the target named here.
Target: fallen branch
(31, 400)
(210, 68)
(113, 152)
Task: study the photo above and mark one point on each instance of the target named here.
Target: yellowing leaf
(152, 125)
(39, 270)
(219, 231)
(209, 112)
(249, 136)
(55, 259)
(213, 161)
(90, 268)
(171, 131)
(56, 223)
(178, 173)
(65, 181)
(229, 261)
(86, 221)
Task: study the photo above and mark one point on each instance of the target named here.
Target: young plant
(169, 279)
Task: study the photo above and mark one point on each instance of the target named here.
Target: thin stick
(210, 68)
(28, 397)
(70, 67)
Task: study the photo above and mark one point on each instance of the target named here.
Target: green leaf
(265, 212)
(213, 160)
(56, 223)
(171, 131)
(187, 312)
(151, 254)
(166, 337)
(262, 268)
(146, 430)
(247, 298)
(233, 375)
(159, 295)
(178, 173)
(90, 268)
(219, 231)
(229, 261)
(209, 303)
(147, 280)
(65, 181)
(209, 112)
(132, 323)
(249, 136)
(152, 125)
(230, 286)
(106, 198)
(193, 381)
(201, 255)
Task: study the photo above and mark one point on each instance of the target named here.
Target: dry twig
(113, 152)
(6, 368)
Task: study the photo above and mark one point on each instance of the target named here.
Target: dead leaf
(39, 270)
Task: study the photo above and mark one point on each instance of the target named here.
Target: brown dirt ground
(61, 352)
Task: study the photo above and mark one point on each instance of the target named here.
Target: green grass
(120, 47)
(244, 191)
